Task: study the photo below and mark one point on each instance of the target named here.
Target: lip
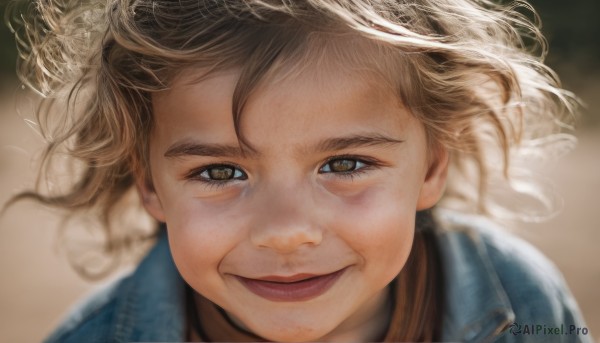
(299, 287)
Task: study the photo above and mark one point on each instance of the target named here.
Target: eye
(343, 165)
(218, 173)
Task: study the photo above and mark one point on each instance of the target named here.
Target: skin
(291, 211)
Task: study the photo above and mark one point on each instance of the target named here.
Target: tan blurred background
(38, 285)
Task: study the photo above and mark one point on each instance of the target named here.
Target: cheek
(200, 240)
(379, 225)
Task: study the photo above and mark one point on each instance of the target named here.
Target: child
(294, 153)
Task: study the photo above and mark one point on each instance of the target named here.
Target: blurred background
(38, 285)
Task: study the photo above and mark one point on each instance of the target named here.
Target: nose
(285, 222)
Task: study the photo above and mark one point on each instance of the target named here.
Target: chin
(292, 333)
(306, 335)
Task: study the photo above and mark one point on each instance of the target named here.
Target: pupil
(221, 173)
(343, 165)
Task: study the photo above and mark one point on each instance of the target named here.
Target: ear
(435, 179)
(149, 198)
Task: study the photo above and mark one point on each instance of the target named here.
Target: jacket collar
(151, 305)
(476, 307)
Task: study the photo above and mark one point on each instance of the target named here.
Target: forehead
(300, 106)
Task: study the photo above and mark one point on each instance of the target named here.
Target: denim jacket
(497, 288)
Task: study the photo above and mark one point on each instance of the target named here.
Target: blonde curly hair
(470, 70)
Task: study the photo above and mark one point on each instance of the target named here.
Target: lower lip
(293, 291)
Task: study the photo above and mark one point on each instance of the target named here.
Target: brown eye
(342, 165)
(222, 173)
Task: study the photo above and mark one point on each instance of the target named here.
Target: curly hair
(470, 70)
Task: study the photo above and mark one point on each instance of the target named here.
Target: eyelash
(367, 164)
(196, 175)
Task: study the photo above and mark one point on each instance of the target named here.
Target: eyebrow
(187, 148)
(355, 141)
(182, 149)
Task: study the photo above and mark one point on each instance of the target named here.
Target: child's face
(339, 171)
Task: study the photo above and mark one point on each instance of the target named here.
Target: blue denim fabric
(492, 281)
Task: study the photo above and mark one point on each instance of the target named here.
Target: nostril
(285, 240)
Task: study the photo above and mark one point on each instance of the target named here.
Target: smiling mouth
(300, 287)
